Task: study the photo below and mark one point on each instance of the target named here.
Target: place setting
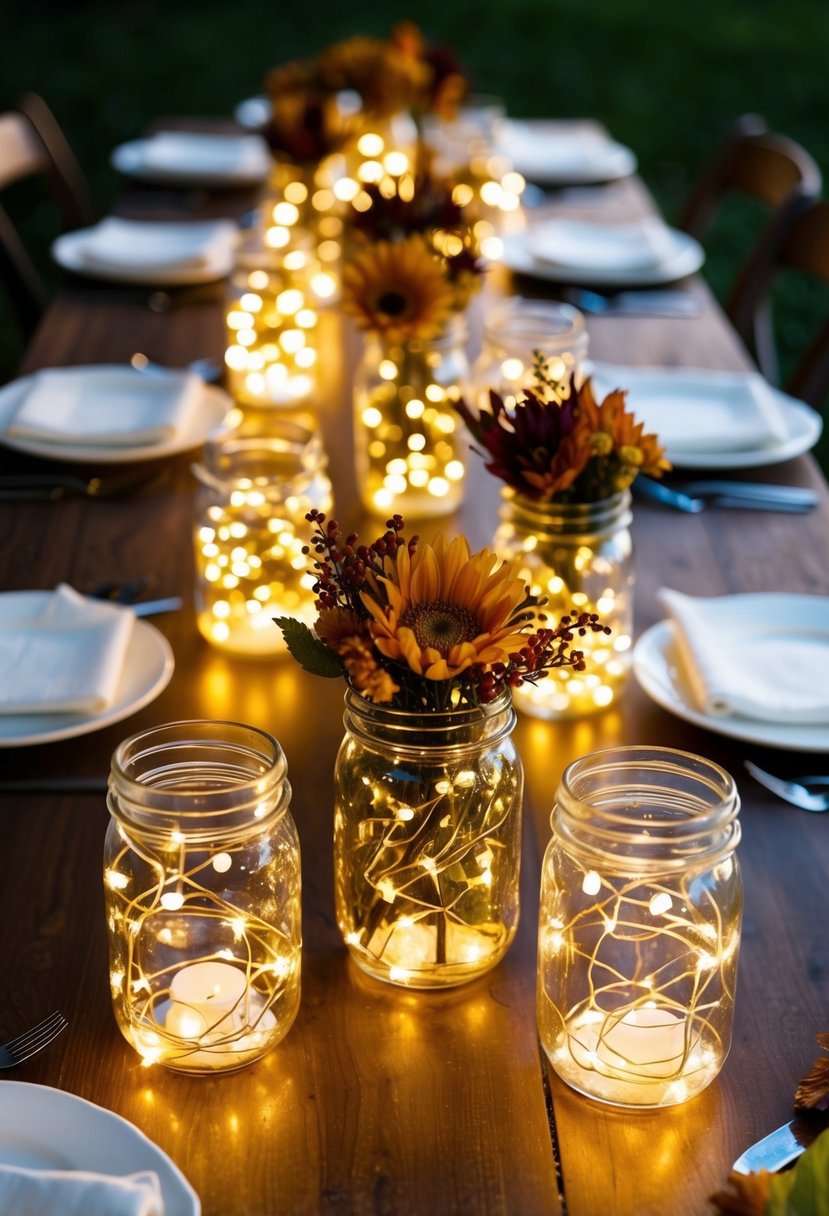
(557, 154)
(640, 253)
(150, 253)
(751, 666)
(195, 158)
(110, 413)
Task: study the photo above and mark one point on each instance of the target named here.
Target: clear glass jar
(513, 331)
(249, 535)
(202, 891)
(427, 841)
(301, 212)
(639, 933)
(409, 448)
(578, 555)
(271, 321)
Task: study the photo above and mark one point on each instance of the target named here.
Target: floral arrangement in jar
(431, 640)
(412, 270)
(568, 461)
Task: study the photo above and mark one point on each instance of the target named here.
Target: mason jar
(249, 533)
(427, 840)
(202, 892)
(409, 446)
(639, 932)
(513, 332)
(579, 556)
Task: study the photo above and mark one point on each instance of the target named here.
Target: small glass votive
(513, 332)
(639, 931)
(250, 530)
(202, 892)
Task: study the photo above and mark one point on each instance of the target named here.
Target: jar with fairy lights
(639, 932)
(202, 891)
(249, 532)
(519, 330)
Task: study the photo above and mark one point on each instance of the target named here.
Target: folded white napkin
(694, 410)
(30, 1192)
(768, 660)
(65, 658)
(106, 406)
(546, 152)
(612, 247)
(119, 244)
(176, 153)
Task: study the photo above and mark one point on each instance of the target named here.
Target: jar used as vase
(514, 332)
(578, 556)
(639, 932)
(301, 212)
(202, 889)
(250, 532)
(427, 834)
(409, 447)
(271, 323)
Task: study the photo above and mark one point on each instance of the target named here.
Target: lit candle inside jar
(207, 999)
(648, 1042)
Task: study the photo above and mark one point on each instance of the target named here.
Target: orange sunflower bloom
(446, 609)
(397, 289)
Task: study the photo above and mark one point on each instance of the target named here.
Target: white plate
(552, 155)
(659, 672)
(131, 160)
(50, 1129)
(148, 668)
(215, 407)
(686, 257)
(802, 425)
(67, 252)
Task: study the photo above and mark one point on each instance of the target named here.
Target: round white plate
(548, 156)
(148, 668)
(215, 407)
(66, 251)
(50, 1129)
(803, 425)
(130, 159)
(686, 257)
(659, 673)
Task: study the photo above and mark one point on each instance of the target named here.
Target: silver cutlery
(31, 1041)
(668, 303)
(750, 489)
(208, 369)
(755, 499)
(54, 785)
(52, 486)
(154, 607)
(128, 592)
(796, 791)
(771, 1153)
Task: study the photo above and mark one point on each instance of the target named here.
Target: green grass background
(665, 78)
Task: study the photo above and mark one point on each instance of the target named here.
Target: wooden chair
(798, 241)
(751, 161)
(33, 145)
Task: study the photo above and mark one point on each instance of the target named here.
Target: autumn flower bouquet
(567, 461)
(431, 640)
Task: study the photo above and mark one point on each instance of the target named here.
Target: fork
(31, 1041)
(796, 791)
(754, 500)
(661, 303)
(16, 486)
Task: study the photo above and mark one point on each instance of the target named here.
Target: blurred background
(665, 79)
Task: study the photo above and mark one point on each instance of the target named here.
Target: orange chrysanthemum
(397, 289)
(386, 78)
(446, 609)
(608, 427)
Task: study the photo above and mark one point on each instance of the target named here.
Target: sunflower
(446, 609)
(398, 290)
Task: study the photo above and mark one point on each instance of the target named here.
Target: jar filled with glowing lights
(514, 332)
(639, 933)
(575, 555)
(271, 322)
(250, 530)
(300, 211)
(409, 446)
(202, 891)
(427, 833)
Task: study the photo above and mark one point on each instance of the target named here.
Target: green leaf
(309, 651)
(804, 1190)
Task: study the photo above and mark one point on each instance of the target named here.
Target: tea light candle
(649, 1042)
(207, 998)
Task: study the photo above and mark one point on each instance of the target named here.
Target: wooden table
(382, 1100)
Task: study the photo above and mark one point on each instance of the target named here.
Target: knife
(799, 495)
(770, 1153)
(153, 607)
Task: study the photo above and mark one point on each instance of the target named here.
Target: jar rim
(199, 777)
(657, 807)
(519, 319)
(421, 730)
